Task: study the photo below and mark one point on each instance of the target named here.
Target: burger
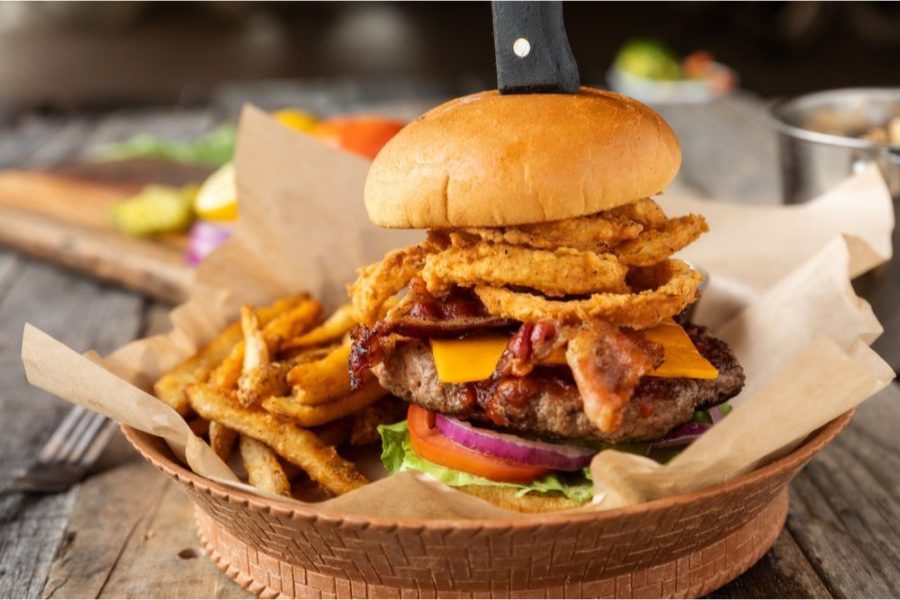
(542, 317)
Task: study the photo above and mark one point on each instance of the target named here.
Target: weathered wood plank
(19, 143)
(65, 143)
(845, 511)
(10, 268)
(122, 125)
(84, 315)
(784, 572)
(107, 510)
(165, 544)
(156, 319)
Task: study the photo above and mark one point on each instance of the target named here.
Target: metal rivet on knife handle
(531, 49)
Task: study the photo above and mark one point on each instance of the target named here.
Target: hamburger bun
(489, 160)
(508, 498)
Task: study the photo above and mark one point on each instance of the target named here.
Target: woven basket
(684, 546)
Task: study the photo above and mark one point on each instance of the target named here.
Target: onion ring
(561, 272)
(593, 232)
(655, 245)
(677, 288)
(644, 211)
(379, 281)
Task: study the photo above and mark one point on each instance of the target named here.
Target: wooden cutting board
(62, 216)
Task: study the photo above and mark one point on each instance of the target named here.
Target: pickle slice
(155, 210)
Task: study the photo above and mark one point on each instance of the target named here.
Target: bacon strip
(419, 315)
(607, 365)
(531, 344)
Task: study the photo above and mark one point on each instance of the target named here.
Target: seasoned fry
(298, 446)
(286, 325)
(559, 272)
(221, 439)
(322, 380)
(677, 288)
(259, 379)
(262, 382)
(262, 466)
(311, 416)
(256, 351)
(656, 245)
(340, 322)
(170, 388)
(379, 281)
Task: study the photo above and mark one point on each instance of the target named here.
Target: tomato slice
(429, 443)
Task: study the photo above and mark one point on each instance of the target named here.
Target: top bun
(489, 160)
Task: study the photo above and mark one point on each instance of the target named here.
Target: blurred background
(86, 56)
(117, 120)
(118, 125)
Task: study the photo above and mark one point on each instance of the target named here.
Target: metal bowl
(818, 136)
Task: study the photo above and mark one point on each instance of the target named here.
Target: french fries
(262, 466)
(334, 328)
(323, 380)
(284, 326)
(296, 445)
(259, 378)
(256, 351)
(262, 382)
(270, 377)
(312, 416)
(170, 388)
(221, 439)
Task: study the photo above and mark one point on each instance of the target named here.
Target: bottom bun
(505, 497)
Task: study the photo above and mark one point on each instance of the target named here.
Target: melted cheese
(682, 358)
(474, 358)
(470, 359)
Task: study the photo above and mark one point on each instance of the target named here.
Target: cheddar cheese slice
(475, 357)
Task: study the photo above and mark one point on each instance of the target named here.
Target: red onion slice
(559, 457)
(682, 436)
(203, 239)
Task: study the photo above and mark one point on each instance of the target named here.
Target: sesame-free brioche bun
(490, 160)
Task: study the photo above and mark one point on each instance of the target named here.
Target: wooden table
(127, 531)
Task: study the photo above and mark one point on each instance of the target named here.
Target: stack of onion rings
(559, 273)
(618, 258)
(378, 282)
(638, 310)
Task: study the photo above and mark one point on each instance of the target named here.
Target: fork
(65, 458)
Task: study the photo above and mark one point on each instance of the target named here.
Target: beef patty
(546, 403)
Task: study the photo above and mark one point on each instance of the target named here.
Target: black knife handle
(532, 50)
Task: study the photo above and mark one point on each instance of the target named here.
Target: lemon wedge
(296, 119)
(217, 198)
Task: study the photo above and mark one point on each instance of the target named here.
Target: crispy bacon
(419, 315)
(607, 364)
(423, 315)
(531, 344)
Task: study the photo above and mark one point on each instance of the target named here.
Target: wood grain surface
(65, 218)
(128, 532)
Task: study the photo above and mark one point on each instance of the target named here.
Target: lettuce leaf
(397, 456)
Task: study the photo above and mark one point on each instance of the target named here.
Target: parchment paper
(779, 293)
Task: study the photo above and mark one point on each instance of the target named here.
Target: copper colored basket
(684, 546)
